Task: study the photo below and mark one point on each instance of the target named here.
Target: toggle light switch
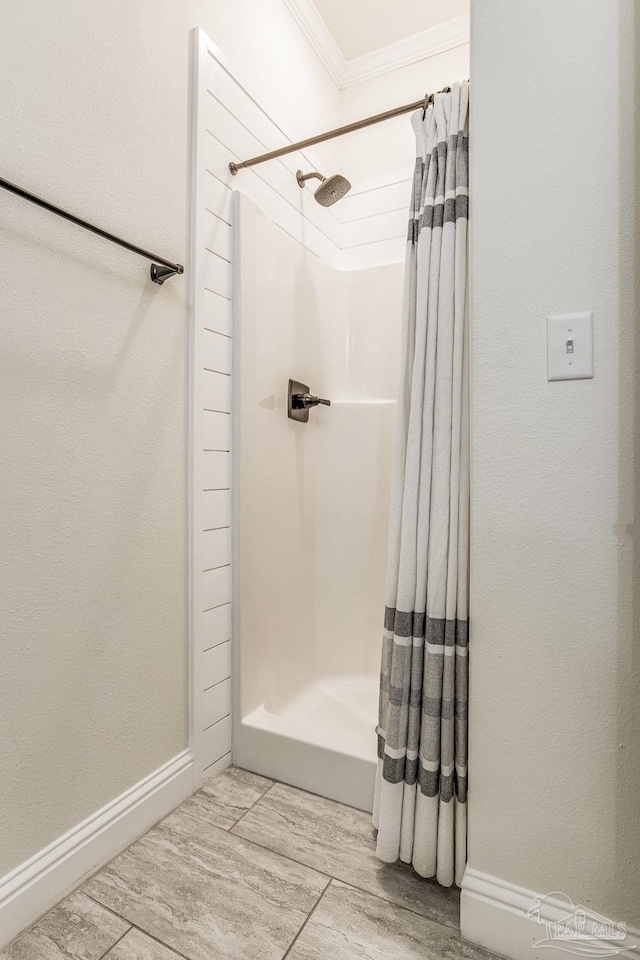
(570, 347)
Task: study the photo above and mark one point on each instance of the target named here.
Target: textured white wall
(93, 387)
(555, 604)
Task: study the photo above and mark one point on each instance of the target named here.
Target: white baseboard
(495, 914)
(36, 886)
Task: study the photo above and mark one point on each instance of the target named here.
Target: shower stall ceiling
(311, 508)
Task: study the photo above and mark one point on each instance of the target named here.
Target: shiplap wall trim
(37, 885)
(238, 126)
(210, 445)
(367, 229)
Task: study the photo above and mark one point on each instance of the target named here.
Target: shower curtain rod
(160, 270)
(338, 132)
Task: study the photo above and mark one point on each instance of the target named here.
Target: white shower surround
(366, 229)
(310, 508)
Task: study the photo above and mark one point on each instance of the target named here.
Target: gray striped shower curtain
(421, 785)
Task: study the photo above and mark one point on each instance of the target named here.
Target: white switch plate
(570, 346)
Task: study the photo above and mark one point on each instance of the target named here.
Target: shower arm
(303, 177)
(338, 132)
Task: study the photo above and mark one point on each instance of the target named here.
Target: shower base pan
(323, 741)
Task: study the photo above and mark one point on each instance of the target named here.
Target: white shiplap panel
(375, 214)
(216, 470)
(216, 703)
(216, 587)
(216, 742)
(216, 633)
(271, 185)
(216, 352)
(379, 226)
(216, 274)
(218, 156)
(215, 313)
(230, 139)
(216, 548)
(216, 509)
(380, 199)
(218, 767)
(216, 391)
(225, 88)
(375, 254)
(216, 430)
(238, 101)
(217, 665)
(216, 197)
(217, 235)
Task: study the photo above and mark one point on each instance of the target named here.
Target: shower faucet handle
(300, 401)
(308, 400)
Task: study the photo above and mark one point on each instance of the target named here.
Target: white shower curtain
(421, 785)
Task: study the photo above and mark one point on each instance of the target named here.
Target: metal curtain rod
(338, 132)
(160, 271)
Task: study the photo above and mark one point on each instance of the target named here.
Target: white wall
(555, 670)
(93, 501)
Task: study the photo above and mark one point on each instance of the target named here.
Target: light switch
(570, 347)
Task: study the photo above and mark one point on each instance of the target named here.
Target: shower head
(331, 188)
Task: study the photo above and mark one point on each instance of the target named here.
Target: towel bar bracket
(159, 273)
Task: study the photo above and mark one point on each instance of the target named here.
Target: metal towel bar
(161, 269)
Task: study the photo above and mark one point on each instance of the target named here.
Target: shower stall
(310, 508)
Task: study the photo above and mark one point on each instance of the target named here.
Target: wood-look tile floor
(248, 869)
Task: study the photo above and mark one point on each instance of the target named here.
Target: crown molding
(344, 73)
(312, 24)
(419, 46)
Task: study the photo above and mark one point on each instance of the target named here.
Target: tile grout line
(36, 923)
(81, 886)
(184, 956)
(284, 783)
(226, 830)
(107, 952)
(249, 809)
(260, 846)
(307, 919)
(151, 936)
(417, 913)
(229, 831)
(346, 883)
(399, 906)
(114, 913)
(134, 926)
